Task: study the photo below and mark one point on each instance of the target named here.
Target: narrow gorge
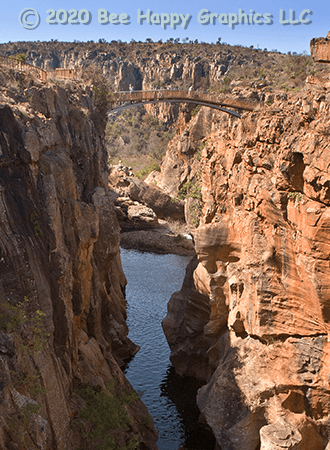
(249, 201)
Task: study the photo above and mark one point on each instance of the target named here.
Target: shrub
(191, 188)
(101, 88)
(143, 173)
(21, 57)
(146, 420)
(19, 423)
(34, 220)
(12, 317)
(177, 238)
(26, 377)
(195, 211)
(294, 195)
(104, 412)
(195, 111)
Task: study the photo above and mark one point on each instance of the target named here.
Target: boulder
(134, 215)
(279, 436)
(164, 206)
(142, 217)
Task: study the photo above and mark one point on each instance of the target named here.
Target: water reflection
(170, 399)
(182, 392)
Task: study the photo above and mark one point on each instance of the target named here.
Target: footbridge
(221, 102)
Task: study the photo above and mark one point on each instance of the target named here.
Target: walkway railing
(23, 66)
(43, 75)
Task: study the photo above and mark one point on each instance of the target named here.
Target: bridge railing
(61, 73)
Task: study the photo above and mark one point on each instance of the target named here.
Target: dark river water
(170, 398)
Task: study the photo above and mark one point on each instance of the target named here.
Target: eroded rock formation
(252, 318)
(59, 250)
(320, 49)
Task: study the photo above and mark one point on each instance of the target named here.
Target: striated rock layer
(253, 315)
(59, 249)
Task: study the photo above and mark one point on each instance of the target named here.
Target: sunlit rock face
(320, 49)
(252, 318)
(59, 248)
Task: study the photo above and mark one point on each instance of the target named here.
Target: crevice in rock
(283, 337)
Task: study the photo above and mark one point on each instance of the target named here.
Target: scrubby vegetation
(13, 318)
(28, 334)
(277, 71)
(143, 173)
(191, 190)
(138, 139)
(105, 413)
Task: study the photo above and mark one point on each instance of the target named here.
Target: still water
(170, 399)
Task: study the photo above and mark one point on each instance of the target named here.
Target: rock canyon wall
(63, 332)
(253, 316)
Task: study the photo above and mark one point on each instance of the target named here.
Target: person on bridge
(190, 89)
(131, 90)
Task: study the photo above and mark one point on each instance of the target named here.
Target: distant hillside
(217, 67)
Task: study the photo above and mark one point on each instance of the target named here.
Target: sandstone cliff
(62, 288)
(252, 318)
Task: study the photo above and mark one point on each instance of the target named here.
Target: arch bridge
(220, 102)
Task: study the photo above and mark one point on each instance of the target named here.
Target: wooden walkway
(39, 73)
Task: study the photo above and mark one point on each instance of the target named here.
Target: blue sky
(284, 38)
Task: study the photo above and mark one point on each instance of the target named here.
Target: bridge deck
(181, 95)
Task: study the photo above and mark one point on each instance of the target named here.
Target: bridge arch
(131, 105)
(219, 102)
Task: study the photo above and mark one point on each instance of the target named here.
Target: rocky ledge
(150, 219)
